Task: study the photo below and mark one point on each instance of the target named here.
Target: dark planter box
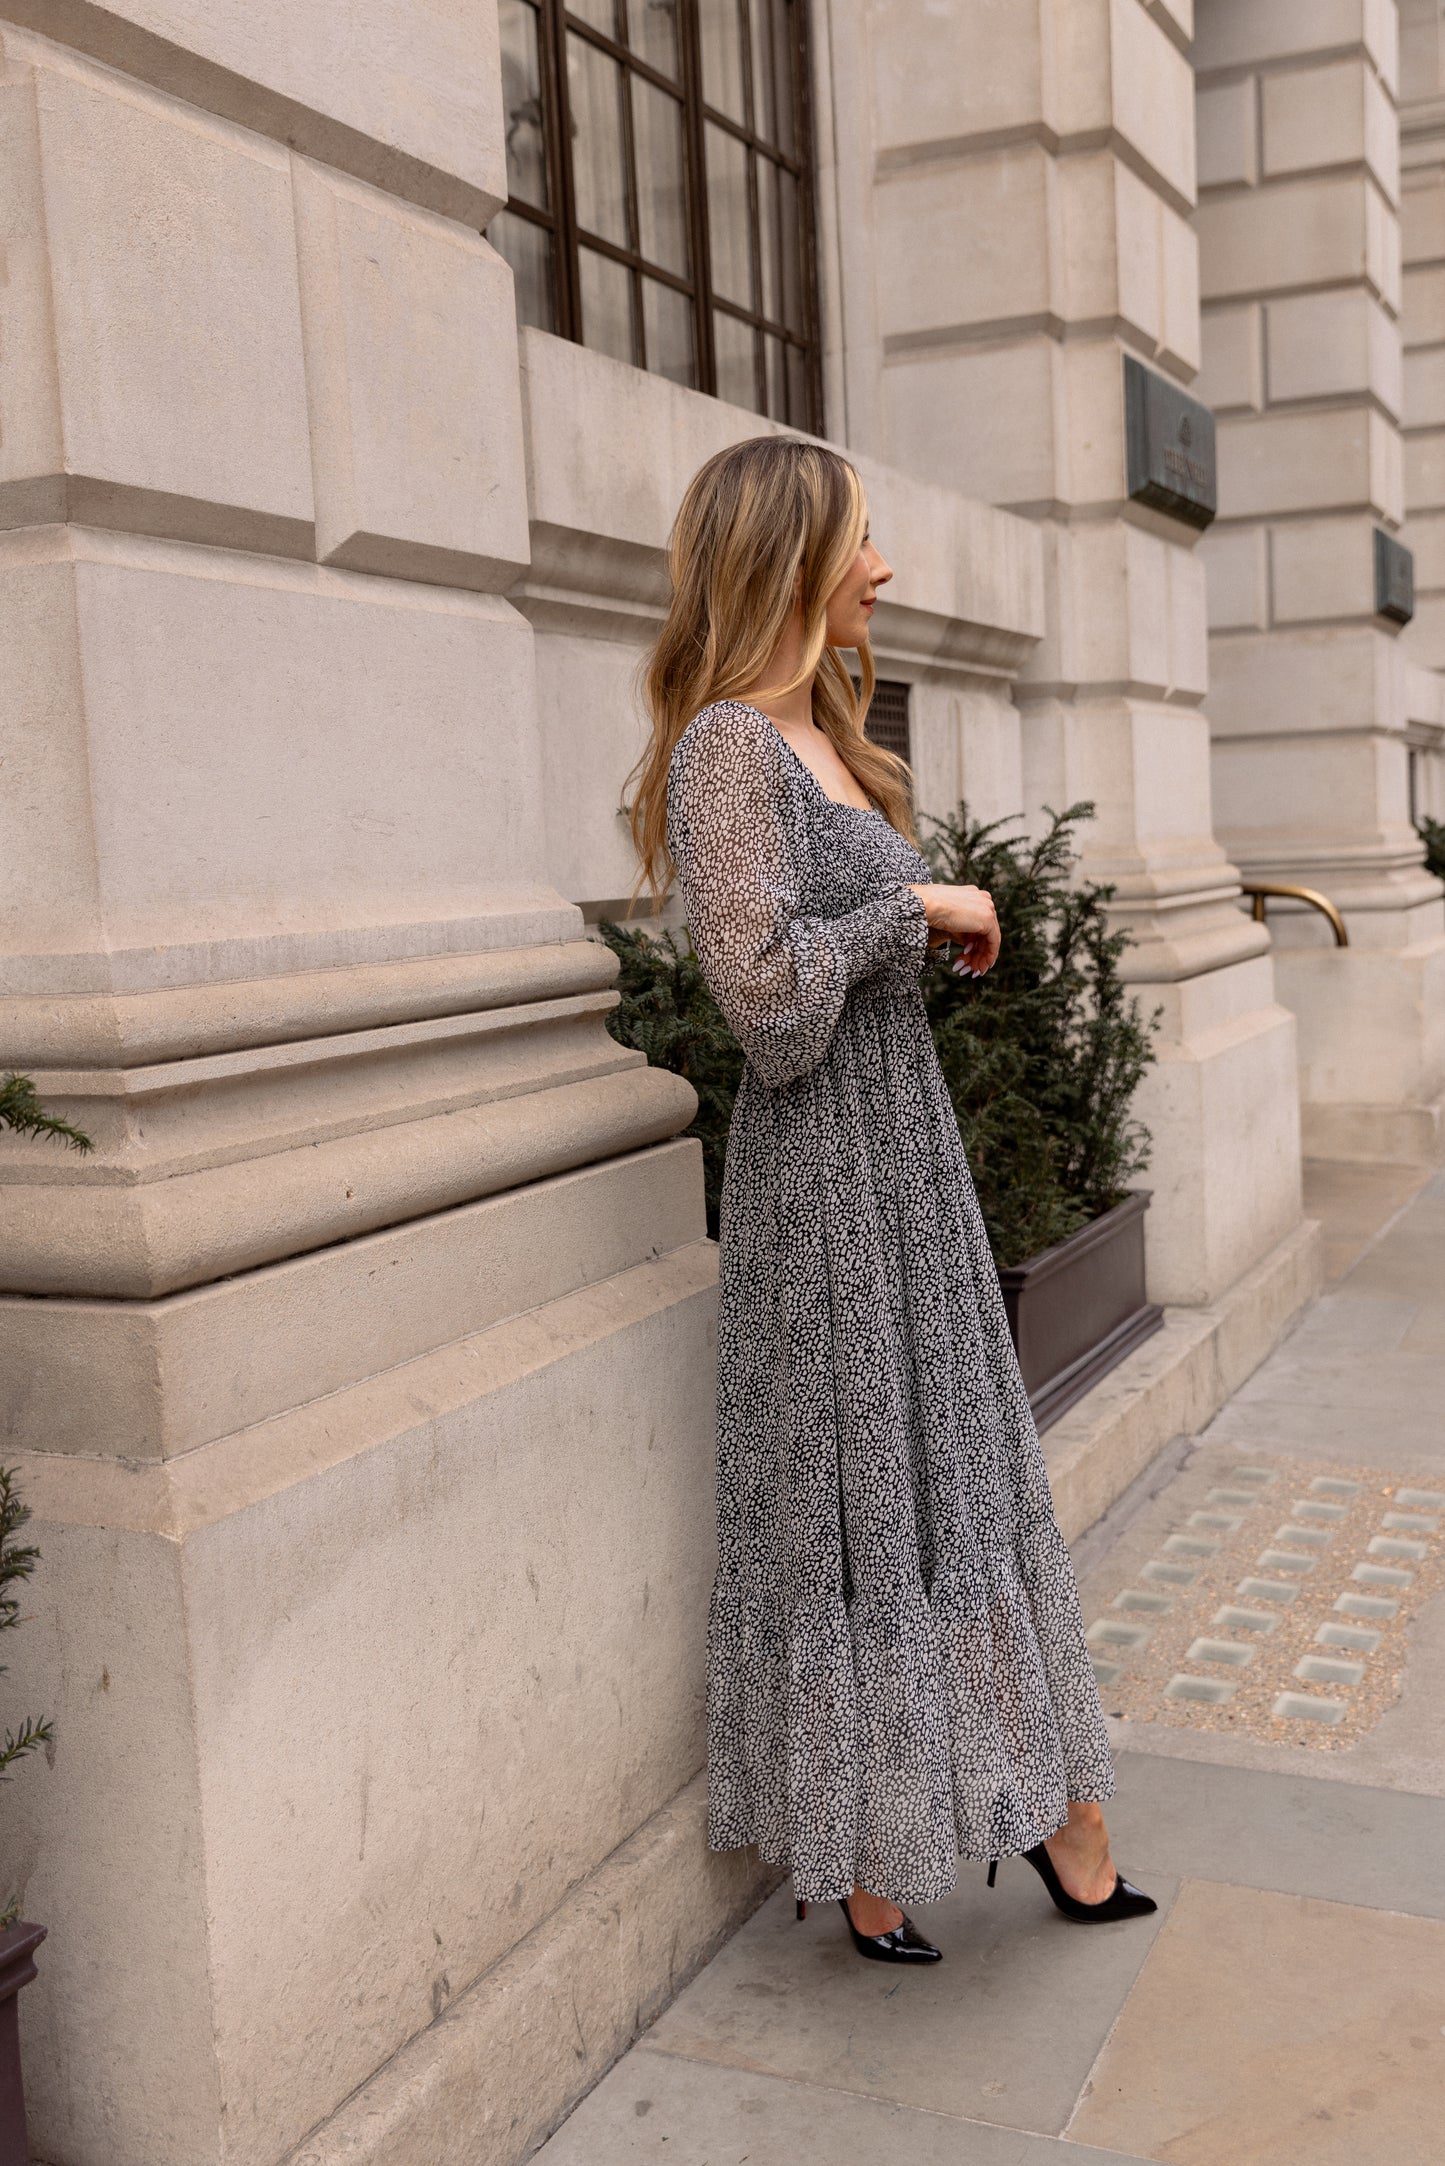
(1076, 1310)
(18, 1944)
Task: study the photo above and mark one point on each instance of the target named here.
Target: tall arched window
(660, 182)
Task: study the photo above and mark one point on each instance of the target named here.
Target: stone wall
(1017, 203)
(1422, 330)
(381, 1312)
(1300, 257)
(361, 1377)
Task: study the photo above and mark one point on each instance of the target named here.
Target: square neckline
(844, 804)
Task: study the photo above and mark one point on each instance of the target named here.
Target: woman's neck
(792, 711)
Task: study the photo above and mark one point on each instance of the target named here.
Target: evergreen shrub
(21, 1112)
(1432, 834)
(17, 1561)
(668, 1013)
(1043, 1056)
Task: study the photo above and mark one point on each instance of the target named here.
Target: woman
(897, 1672)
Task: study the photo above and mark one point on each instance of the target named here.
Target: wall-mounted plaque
(1394, 578)
(1169, 440)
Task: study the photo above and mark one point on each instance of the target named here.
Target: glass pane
(785, 71)
(775, 355)
(768, 243)
(653, 33)
(528, 249)
(791, 211)
(667, 326)
(722, 56)
(728, 217)
(760, 19)
(522, 102)
(602, 14)
(594, 91)
(799, 402)
(661, 194)
(737, 375)
(606, 305)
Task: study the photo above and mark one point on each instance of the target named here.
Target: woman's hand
(964, 917)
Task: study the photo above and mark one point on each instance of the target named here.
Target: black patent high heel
(1123, 1901)
(905, 1944)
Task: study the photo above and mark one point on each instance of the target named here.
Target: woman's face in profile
(850, 605)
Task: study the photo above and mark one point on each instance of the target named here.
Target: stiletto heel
(802, 1910)
(1122, 1901)
(992, 1871)
(905, 1944)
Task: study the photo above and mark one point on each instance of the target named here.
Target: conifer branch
(21, 1110)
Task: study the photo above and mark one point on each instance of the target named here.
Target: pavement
(1266, 1607)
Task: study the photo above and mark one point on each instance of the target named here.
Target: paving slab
(1425, 1333)
(1374, 1848)
(1341, 1324)
(1371, 1381)
(1355, 1204)
(1361, 1375)
(1406, 1258)
(656, 2110)
(1005, 2029)
(1278, 2030)
(1412, 1440)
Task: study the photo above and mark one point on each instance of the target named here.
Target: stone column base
(1371, 1048)
(1394, 1135)
(353, 1697)
(1223, 1120)
(517, 2051)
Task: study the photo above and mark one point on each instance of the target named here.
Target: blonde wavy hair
(753, 518)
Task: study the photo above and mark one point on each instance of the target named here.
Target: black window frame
(555, 21)
(890, 717)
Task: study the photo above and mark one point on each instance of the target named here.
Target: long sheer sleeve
(779, 977)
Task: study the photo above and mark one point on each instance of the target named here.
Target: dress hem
(1093, 1794)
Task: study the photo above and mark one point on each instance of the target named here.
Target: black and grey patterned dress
(897, 1672)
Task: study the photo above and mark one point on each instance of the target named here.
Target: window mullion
(634, 215)
(569, 311)
(807, 206)
(616, 50)
(755, 246)
(695, 152)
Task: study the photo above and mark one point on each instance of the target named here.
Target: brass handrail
(1259, 889)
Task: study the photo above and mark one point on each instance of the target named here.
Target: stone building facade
(1422, 410)
(360, 1376)
(1312, 698)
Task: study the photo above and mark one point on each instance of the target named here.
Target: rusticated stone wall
(361, 1376)
(1299, 229)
